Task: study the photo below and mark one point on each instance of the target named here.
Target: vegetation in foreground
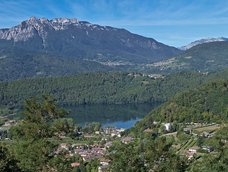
(31, 147)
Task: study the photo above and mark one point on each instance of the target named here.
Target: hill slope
(207, 103)
(18, 64)
(205, 57)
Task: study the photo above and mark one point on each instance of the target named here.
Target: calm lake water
(121, 116)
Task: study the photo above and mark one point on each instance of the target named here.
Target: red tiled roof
(75, 164)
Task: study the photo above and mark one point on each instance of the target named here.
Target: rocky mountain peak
(41, 26)
(35, 27)
(202, 41)
(33, 19)
(84, 40)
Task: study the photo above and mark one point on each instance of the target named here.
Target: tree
(7, 160)
(33, 148)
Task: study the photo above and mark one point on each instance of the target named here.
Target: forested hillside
(100, 88)
(207, 103)
(15, 63)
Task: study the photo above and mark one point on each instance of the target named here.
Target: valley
(77, 96)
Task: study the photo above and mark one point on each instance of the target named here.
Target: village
(94, 144)
(99, 150)
(191, 147)
(88, 144)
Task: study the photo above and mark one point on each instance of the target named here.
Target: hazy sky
(173, 22)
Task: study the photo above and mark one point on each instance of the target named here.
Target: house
(113, 131)
(10, 123)
(208, 148)
(97, 132)
(108, 144)
(194, 134)
(190, 155)
(167, 126)
(64, 146)
(75, 164)
(120, 130)
(155, 122)
(148, 130)
(207, 134)
(191, 152)
(127, 140)
(103, 168)
(108, 130)
(187, 130)
(104, 162)
(193, 149)
(223, 140)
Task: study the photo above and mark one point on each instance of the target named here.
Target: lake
(121, 116)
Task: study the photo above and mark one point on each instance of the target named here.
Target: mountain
(206, 103)
(202, 41)
(205, 57)
(83, 40)
(42, 47)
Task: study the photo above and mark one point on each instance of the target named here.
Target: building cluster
(192, 151)
(95, 151)
(112, 131)
(87, 152)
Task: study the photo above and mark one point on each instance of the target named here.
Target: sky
(173, 22)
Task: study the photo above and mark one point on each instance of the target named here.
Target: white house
(167, 126)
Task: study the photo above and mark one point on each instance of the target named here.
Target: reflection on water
(121, 116)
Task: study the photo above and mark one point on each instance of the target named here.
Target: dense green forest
(107, 88)
(207, 103)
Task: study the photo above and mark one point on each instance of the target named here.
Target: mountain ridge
(81, 39)
(212, 56)
(203, 41)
